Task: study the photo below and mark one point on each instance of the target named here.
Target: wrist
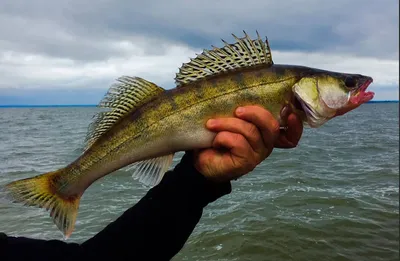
(194, 184)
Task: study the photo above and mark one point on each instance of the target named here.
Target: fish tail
(43, 191)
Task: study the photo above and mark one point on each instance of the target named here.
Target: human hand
(243, 142)
(290, 138)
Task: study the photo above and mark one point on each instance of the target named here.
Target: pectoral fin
(150, 172)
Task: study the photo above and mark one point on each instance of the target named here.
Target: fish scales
(145, 124)
(178, 113)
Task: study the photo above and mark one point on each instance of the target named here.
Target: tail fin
(41, 191)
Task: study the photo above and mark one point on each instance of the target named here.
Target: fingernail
(240, 110)
(285, 112)
(211, 123)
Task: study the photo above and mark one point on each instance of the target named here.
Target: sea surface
(334, 197)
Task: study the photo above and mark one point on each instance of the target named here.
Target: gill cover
(333, 91)
(311, 99)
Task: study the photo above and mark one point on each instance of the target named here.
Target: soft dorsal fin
(122, 97)
(241, 54)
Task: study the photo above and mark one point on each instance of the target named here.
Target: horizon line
(95, 105)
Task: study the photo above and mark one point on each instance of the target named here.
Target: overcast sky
(70, 52)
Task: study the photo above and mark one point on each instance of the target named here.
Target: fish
(143, 125)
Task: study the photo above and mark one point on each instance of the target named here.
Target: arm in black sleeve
(156, 228)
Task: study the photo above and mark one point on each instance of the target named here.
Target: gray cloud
(88, 30)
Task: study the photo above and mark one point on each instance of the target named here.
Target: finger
(283, 143)
(232, 141)
(236, 125)
(205, 160)
(292, 135)
(240, 155)
(295, 129)
(263, 120)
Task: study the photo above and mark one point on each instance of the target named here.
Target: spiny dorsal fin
(122, 97)
(243, 53)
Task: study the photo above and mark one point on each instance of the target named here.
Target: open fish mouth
(361, 95)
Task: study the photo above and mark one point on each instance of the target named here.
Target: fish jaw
(361, 95)
(358, 97)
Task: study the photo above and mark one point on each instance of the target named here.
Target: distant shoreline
(94, 105)
(383, 102)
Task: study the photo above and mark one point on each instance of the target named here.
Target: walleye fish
(145, 125)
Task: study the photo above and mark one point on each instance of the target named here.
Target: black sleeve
(156, 228)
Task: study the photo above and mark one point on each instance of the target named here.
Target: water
(335, 197)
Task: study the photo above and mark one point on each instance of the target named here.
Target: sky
(71, 52)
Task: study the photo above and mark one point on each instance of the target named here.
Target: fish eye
(350, 82)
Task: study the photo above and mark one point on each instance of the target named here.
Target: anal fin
(150, 172)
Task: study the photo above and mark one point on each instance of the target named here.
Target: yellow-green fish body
(175, 119)
(147, 124)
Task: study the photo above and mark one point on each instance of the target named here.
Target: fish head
(324, 95)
